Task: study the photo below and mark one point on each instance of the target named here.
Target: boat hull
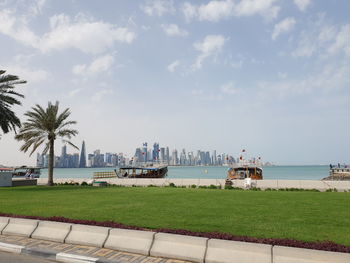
(147, 174)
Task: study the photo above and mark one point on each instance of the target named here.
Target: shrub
(255, 189)
(332, 190)
(172, 185)
(84, 183)
(193, 186)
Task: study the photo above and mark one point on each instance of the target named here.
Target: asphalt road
(14, 258)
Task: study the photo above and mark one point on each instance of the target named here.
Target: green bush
(255, 189)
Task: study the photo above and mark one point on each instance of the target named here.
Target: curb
(167, 245)
(53, 255)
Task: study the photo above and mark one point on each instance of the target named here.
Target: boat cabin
(243, 172)
(26, 172)
(142, 172)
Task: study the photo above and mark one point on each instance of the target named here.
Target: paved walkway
(103, 253)
(14, 258)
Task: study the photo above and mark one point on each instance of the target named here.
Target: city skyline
(270, 76)
(144, 155)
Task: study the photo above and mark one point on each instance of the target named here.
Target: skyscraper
(167, 155)
(82, 163)
(155, 152)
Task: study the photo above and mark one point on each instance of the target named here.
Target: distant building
(82, 162)
(174, 158)
(162, 154)
(155, 152)
(167, 155)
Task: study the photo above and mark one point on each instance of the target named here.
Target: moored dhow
(143, 171)
(146, 171)
(245, 169)
(338, 173)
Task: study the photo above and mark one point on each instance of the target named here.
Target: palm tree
(45, 126)
(8, 119)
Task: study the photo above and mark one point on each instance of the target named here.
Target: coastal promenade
(262, 184)
(77, 243)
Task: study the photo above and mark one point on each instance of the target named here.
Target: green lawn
(308, 216)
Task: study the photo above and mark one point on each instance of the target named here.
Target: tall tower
(82, 163)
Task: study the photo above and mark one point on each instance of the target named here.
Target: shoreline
(320, 185)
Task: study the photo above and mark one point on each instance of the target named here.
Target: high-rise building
(174, 158)
(144, 152)
(138, 157)
(183, 159)
(82, 162)
(155, 152)
(167, 155)
(214, 158)
(162, 154)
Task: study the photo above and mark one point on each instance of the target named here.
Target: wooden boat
(245, 171)
(134, 172)
(142, 172)
(338, 173)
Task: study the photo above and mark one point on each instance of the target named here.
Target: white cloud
(283, 27)
(16, 27)
(342, 41)
(100, 64)
(265, 8)
(88, 36)
(229, 88)
(172, 67)
(302, 4)
(37, 7)
(189, 10)
(323, 39)
(81, 33)
(173, 30)
(211, 45)
(158, 7)
(216, 10)
(98, 96)
(74, 92)
(204, 96)
(26, 73)
(327, 81)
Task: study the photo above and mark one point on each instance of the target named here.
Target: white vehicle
(26, 172)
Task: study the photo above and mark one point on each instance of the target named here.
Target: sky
(269, 76)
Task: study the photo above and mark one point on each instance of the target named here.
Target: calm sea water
(209, 172)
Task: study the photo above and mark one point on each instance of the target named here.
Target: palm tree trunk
(51, 162)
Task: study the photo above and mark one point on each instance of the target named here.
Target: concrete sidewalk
(45, 248)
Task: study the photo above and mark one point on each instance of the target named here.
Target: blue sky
(270, 76)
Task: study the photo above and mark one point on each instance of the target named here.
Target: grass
(306, 216)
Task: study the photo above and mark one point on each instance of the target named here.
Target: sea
(303, 172)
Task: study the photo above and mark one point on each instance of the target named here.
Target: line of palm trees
(43, 125)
